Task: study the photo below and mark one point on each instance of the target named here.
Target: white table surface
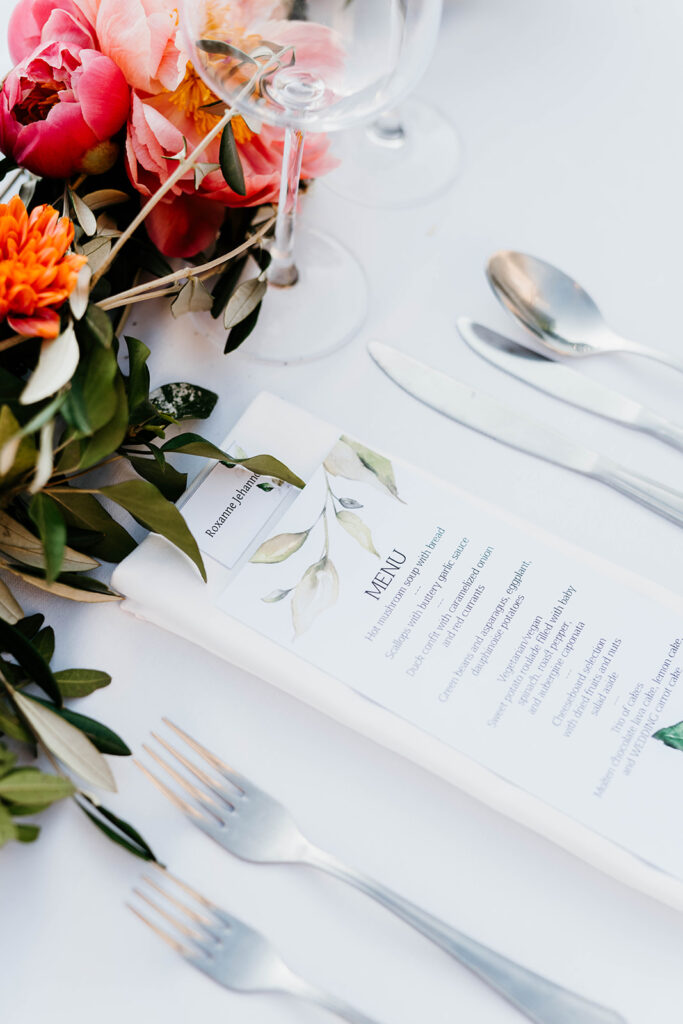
(570, 116)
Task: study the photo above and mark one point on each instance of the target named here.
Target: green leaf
(122, 833)
(12, 726)
(66, 742)
(184, 401)
(7, 828)
(672, 736)
(376, 463)
(30, 624)
(104, 738)
(168, 480)
(193, 297)
(55, 367)
(84, 512)
(52, 530)
(92, 399)
(79, 682)
(149, 508)
(241, 331)
(7, 760)
(84, 215)
(28, 786)
(264, 465)
(244, 301)
(137, 382)
(279, 547)
(44, 643)
(23, 651)
(89, 451)
(226, 284)
(26, 833)
(17, 454)
(95, 326)
(231, 165)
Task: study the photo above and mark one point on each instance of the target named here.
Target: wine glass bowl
(309, 66)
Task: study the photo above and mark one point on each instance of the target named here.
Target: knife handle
(661, 428)
(653, 495)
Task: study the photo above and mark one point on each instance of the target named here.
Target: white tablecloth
(570, 116)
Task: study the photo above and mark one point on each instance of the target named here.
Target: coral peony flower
(140, 36)
(59, 108)
(36, 22)
(188, 220)
(36, 272)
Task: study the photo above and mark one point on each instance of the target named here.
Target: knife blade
(474, 409)
(564, 383)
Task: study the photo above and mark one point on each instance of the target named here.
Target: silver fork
(255, 827)
(225, 948)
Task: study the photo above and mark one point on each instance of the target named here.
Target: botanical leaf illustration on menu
(318, 588)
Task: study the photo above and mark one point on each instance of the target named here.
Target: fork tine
(237, 780)
(168, 939)
(202, 919)
(183, 805)
(197, 772)
(195, 937)
(205, 800)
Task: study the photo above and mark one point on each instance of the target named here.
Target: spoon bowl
(557, 309)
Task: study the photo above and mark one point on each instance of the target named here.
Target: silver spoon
(558, 310)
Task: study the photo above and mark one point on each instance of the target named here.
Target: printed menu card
(553, 672)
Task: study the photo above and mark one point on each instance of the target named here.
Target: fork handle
(538, 998)
(300, 989)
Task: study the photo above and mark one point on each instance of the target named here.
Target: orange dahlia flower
(36, 272)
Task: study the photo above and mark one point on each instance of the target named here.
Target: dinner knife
(482, 413)
(565, 383)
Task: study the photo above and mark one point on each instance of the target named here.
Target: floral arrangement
(108, 137)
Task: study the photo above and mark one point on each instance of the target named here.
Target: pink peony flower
(188, 220)
(140, 36)
(59, 108)
(34, 23)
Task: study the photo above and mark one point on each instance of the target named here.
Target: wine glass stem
(282, 270)
(387, 129)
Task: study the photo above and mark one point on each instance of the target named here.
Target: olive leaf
(45, 461)
(376, 463)
(68, 584)
(149, 508)
(52, 531)
(263, 465)
(102, 197)
(7, 760)
(10, 609)
(56, 365)
(317, 591)
(193, 297)
(672, 736)
(279, 547)
(104, 738)
(243, 301)
(44, 643)
(95, 326)
(92, 398)
(32, 788)
(84, 215)
(84, 512)
(231, 165)
(357, 529)
(66, 742)
(23, 651)
(17, 452)
(79, 682)
(7, 827)
(80, 296)
(165, 478)
(241, 331)
(19, 543)
(116, 829)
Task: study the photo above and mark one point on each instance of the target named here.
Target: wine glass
(314, 66)
(408, 155)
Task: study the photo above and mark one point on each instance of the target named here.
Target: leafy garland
(54, 527)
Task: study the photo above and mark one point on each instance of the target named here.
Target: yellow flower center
(198, 102)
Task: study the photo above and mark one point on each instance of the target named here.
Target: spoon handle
(676, 362)
(653, 495)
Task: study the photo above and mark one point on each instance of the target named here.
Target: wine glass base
(390, 174)
(320, 313)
